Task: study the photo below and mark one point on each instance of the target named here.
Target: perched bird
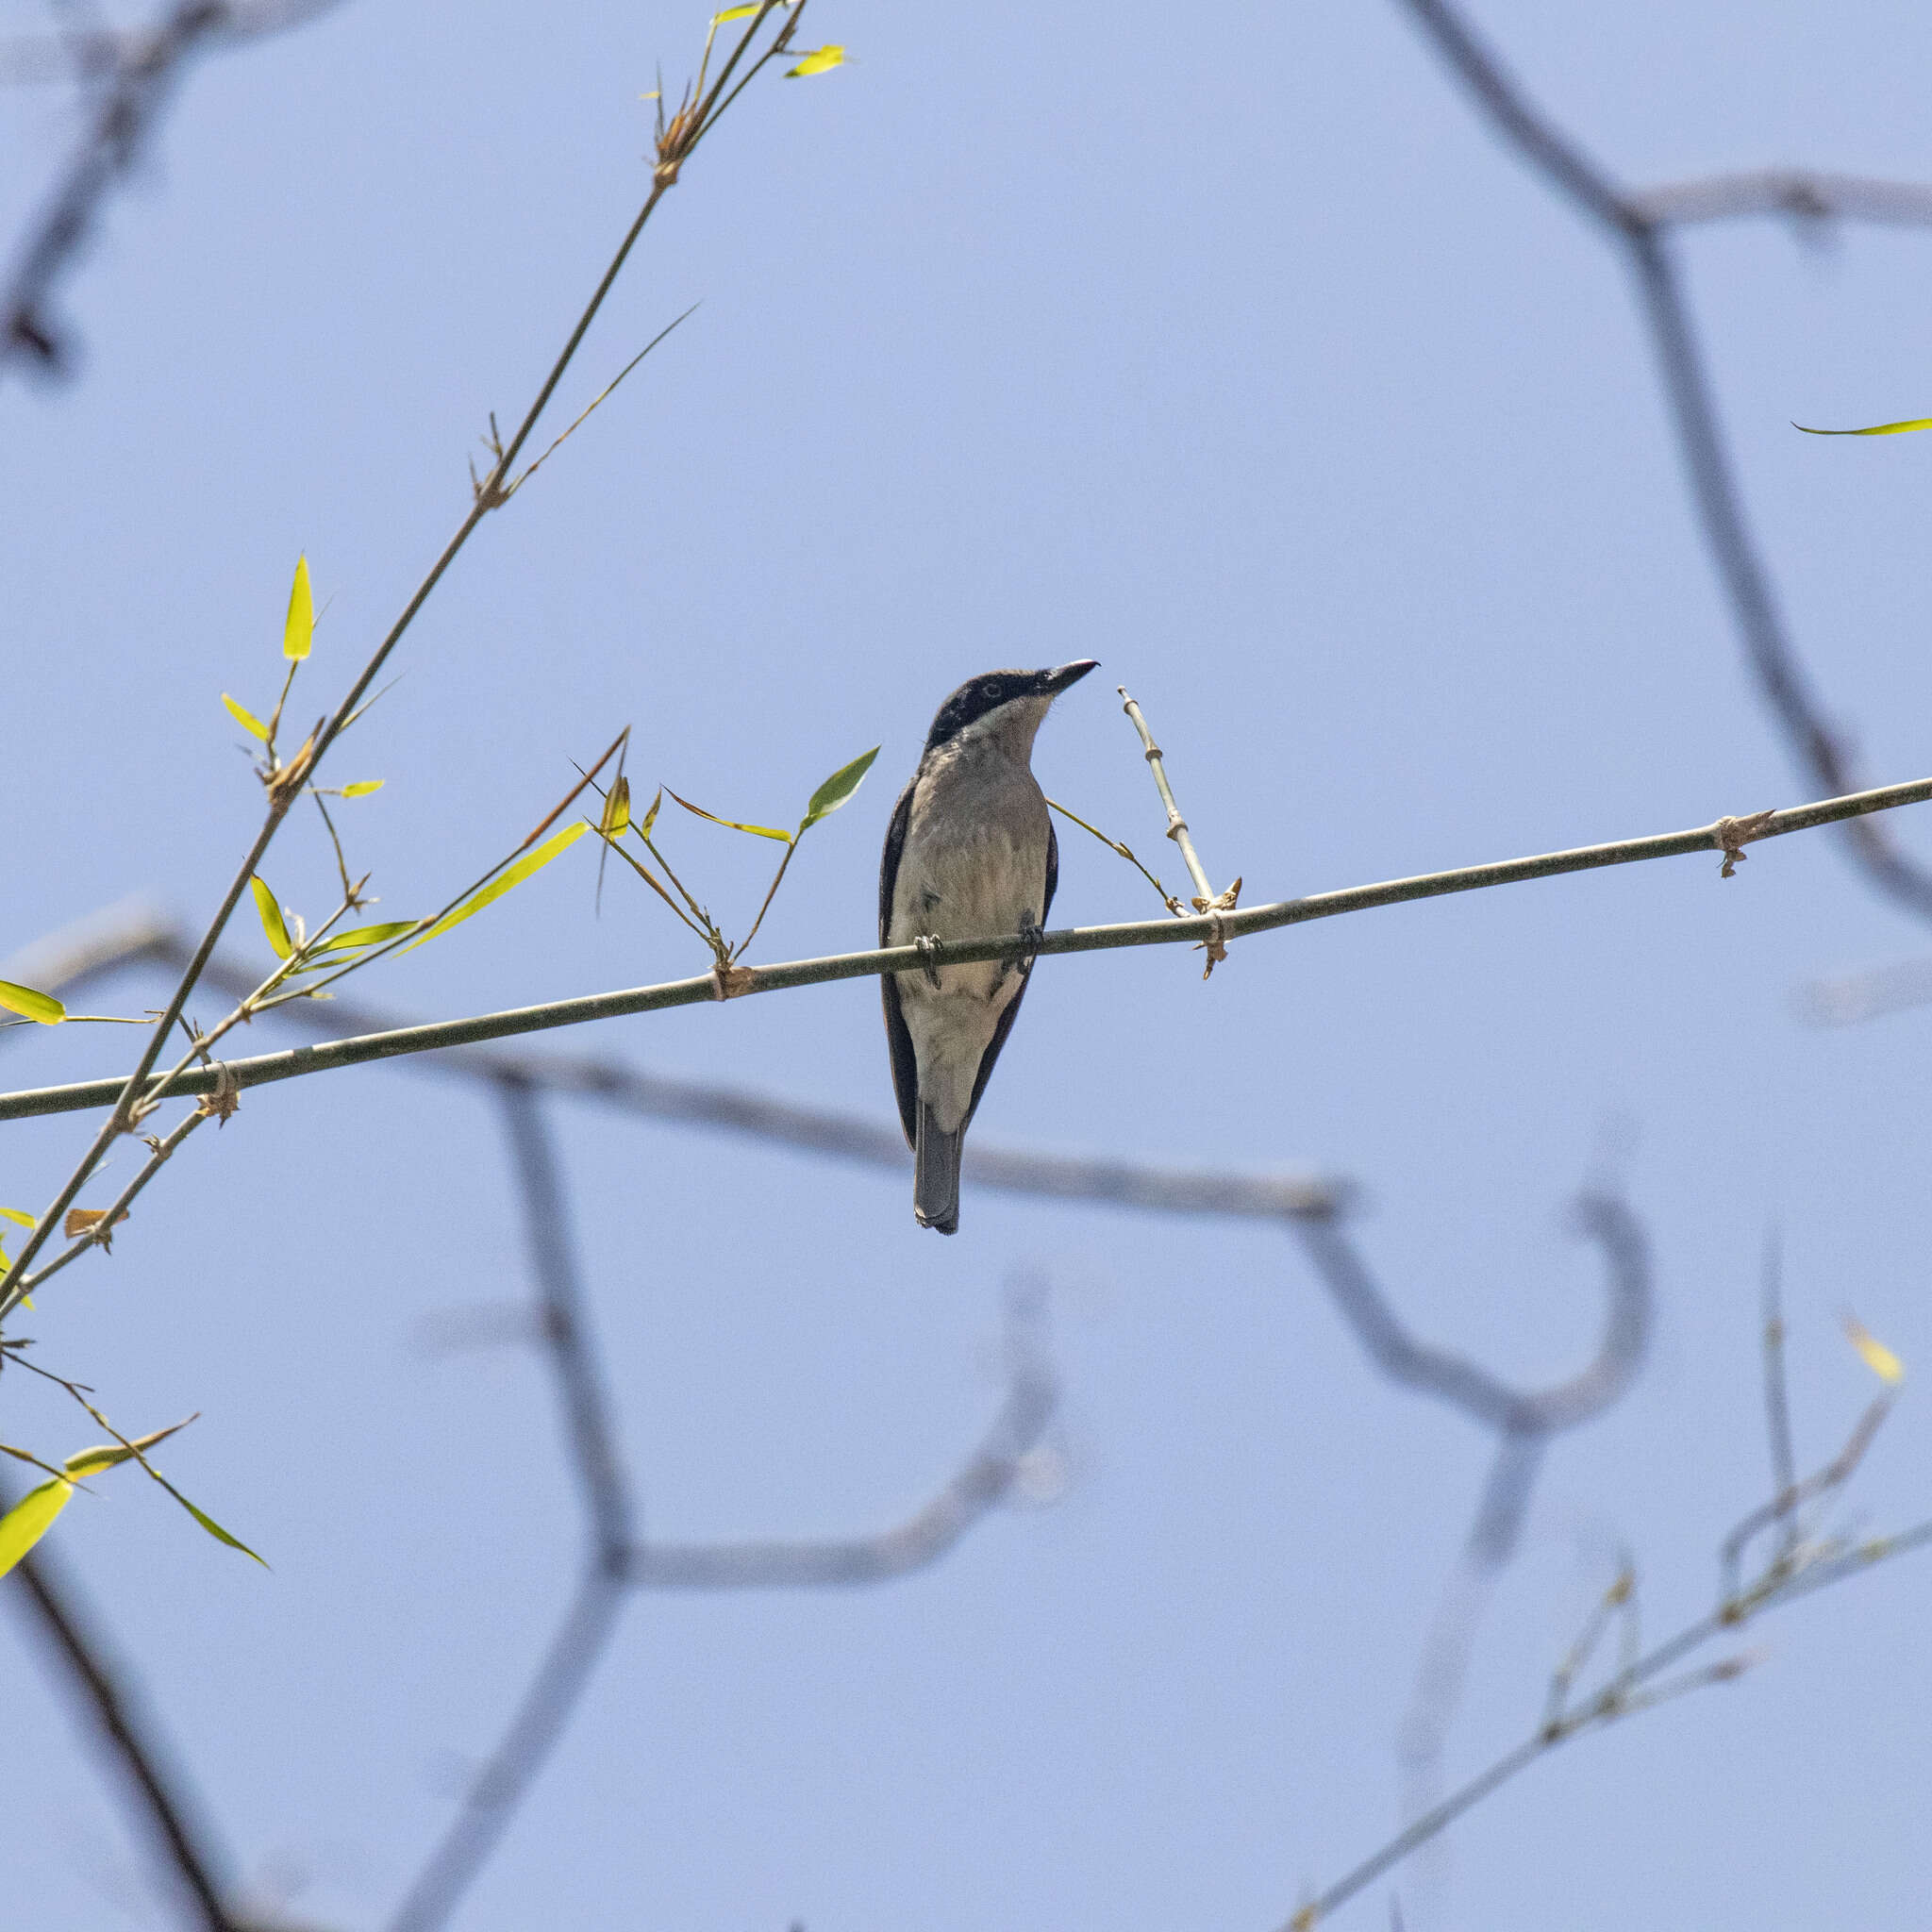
(970, 853)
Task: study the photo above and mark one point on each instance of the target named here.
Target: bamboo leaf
(836, 790)
(89, 1461)
(732, 13)
(1876, 428)
(651, 816)
(1877, 1357)
(617, 809)
(213, 1528)
(30, 1519)
(820, 60)
(363, 786)
(272, 921)
(246, 719)
(515, 876)
(30, 1004)
(18, 1219)
(299, 631)
(757, 831)
(358, 936)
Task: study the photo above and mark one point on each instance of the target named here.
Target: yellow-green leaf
(89, 1461)
(515, 876)
(363, 786)
(836, 790)
(271, 921)
(299, 631)
(215, 1528)
(246, 719)
(732, 13)
(617, 809)
(758, 831)
(651, 816)
(30, 1004)
(30, 1519)
(820, 60)
(366, 935)
(18, 1218)
(1877, 1357)
(1876, 430)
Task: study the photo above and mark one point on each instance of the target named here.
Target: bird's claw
(928, 947)
(1032, 934)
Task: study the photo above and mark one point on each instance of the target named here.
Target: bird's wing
(1006, 1021)
(898, 1037)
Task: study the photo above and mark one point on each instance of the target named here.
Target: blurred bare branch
(616, 1559)
(1638, 224)
(135, 74)
(1523, 1421)
(158, 1792)
(1642, 1680)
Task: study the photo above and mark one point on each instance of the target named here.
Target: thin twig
(301, 1061)
(1778, 1406)
(1638, 225)
(281, 795)
(1176, 824)
(130, 1738)
(1636, 1685)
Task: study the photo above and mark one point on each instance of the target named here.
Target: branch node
(1730, 836)
(224, 1101)
(732, 982)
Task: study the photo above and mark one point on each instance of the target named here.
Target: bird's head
(1003, 703)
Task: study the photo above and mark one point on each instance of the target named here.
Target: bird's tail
(936, 1183)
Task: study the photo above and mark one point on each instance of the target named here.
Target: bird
(970, 853)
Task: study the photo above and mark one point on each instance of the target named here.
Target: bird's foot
(928, 947)
(1032, 933)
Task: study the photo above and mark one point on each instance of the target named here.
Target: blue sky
(1230, 351)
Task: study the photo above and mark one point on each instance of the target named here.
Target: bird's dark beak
(1058, 681)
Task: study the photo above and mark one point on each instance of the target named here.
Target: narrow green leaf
(732, 13)
(30, 1519)
(836, 790)
(246, 719)
(820, 60)
(18, 1219)
(515, 876)
(363, 786)
(271, 921)
(617, 809)
(215, 1528)
(299, 631)
(758, 831)
(89, 1461)
(366, 935)
(30, 1004)
(651, 816)
(1876, 428)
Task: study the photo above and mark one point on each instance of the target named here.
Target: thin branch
(1176, 825)
(494, 1795)
(615, 1560)
(986, 1481)
(581, 1394)
(140, 70)
(1636, 225)
(1803, 193)
(1640, 1683)
(289, 780)
(129, 1737)
(1724, 836)
(1777, 1404)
